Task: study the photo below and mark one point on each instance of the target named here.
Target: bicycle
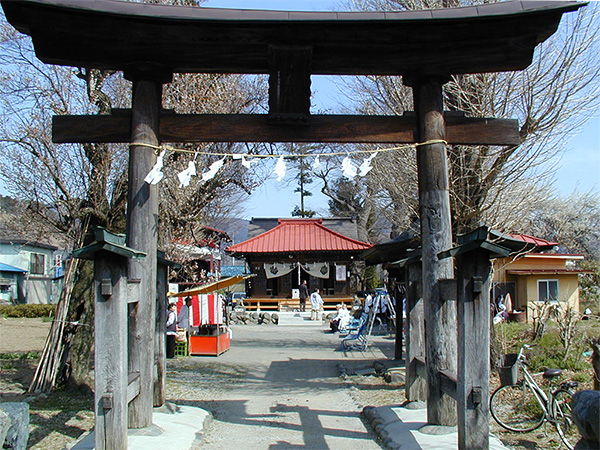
(523, 406)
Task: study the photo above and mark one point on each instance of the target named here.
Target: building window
(37, 264)
(548, 290)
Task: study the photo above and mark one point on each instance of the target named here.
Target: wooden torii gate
(151, 42)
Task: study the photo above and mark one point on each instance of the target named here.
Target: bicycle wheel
(563, 420)
(516, 408)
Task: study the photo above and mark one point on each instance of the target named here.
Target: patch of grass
(59, 418)
(21, 356)
(548, 351)
(512, 335)
(64, 400)
(7, 365)
(582, 377)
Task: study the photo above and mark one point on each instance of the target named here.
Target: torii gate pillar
(142, 233)
(436, 233)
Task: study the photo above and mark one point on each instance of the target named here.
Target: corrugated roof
(212, 287)
(346, 226)
(299, 235)
(232, 271)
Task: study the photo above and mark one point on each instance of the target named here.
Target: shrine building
(284, 252)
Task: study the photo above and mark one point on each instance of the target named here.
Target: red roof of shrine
(299, 235)
(534, 240)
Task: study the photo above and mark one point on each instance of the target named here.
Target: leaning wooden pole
(436, 233)
(49, 365)
(142, 235)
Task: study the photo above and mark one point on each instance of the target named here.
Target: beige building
(538, 277)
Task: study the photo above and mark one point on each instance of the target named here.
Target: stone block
(586, 414)
(394, 376)
(5, 424)
(18, 432)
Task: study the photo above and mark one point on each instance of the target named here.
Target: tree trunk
(77, 348)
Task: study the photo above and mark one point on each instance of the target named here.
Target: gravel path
(277, 388)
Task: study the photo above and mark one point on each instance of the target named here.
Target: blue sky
(578, 169)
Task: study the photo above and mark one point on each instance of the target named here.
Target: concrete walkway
(278, 388)
(284, 391)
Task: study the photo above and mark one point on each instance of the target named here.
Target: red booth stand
(209, 336)
(206, 344)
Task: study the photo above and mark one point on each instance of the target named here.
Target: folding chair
(356, 341)
(354, 324)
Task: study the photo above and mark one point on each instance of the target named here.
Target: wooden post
(416, 387)
(436, 232)
(142, 234)
(160, 361)
(473, 278)
(110, 355)
(400, 293)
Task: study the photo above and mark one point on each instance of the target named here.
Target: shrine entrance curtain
(317, 269)
(275, 270)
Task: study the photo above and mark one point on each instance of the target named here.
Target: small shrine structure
(295, 250)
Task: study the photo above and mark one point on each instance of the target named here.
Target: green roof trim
(410, 257)
(481, 238)
(108, 242)
(167, 262)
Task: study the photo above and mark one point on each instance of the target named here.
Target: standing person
(171, 330)
(183, 318)
(368, 302)
(303, 295)
(316, 304)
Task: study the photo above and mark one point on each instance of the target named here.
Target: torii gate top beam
(109, 34)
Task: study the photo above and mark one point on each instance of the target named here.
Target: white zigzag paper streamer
(185, 177)
(317, 164)
(155, 174)
(213, 169)
(366, 166)
(280, 169)
(348, 168)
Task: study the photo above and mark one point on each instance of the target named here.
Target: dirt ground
(22, 335)
(276, 388)
(56, 418)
